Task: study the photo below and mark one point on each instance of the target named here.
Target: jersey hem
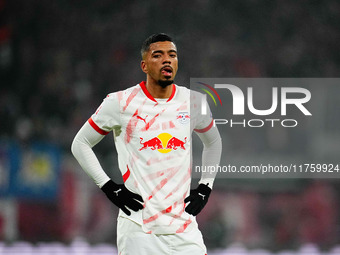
(137, 218)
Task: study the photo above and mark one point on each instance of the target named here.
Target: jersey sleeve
(107, 115)
(204, 119)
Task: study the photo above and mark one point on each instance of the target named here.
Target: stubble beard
(165, 83)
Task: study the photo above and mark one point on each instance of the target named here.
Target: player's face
(160, 63)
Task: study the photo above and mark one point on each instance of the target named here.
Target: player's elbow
(216, 143)
(212, 139)
(219, 142)
(75, 146)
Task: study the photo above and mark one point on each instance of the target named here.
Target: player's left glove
(198, 198)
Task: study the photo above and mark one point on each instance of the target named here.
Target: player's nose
(166, 60)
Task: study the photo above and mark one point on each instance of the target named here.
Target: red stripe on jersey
(176, 216)
(180, 184)
(184, 226)
(147, 93)
(172, 172)
(156, 216)
(130, 97)
(150, 123)
(172, 125)
(205, 129)
(152, 161)
(127, 174)
(184, 106)
(95, 127)
(132, 124)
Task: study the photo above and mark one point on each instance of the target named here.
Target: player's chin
(166, 82)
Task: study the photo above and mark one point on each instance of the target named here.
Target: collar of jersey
(147, 93)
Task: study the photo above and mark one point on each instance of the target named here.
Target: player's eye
(157, 55)
(173, 55)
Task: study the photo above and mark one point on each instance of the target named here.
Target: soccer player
(152, 124)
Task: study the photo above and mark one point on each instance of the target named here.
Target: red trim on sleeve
(147, 93)
(95, 127)
(206, 128)
(127, 174)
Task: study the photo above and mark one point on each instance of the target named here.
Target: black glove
(122, 197)
(198, 198)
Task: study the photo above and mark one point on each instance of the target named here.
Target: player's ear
(143, 66)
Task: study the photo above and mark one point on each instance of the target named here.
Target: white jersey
(153, 141)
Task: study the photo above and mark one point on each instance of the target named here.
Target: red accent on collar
(172, 93)
(147, 93)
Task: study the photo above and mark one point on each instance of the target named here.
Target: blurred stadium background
(59, 59)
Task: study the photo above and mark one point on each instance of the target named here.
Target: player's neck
(157, 91)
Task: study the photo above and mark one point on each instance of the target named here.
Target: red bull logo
(164, 143)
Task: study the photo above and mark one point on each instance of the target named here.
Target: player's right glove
(122, 197)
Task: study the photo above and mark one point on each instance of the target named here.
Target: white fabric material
(211, 155)
(132, 240)
(159, 173)
(81, 148)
